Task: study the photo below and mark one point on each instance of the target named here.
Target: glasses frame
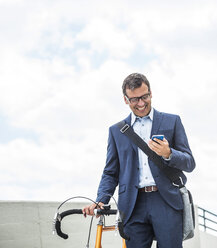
(135, 100)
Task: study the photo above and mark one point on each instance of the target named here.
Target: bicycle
(101, 227)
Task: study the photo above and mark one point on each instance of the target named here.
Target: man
(151, 204)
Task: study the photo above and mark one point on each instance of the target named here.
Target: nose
(140, 102)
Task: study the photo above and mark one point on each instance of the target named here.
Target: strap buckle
(124, 128)
(147, 189)
(177, 185)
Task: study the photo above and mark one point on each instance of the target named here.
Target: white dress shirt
(142, 126)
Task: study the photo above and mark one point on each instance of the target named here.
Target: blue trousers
(153, 217)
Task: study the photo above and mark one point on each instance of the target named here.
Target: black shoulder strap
(172, 173)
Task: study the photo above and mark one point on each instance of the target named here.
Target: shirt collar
(133, 116)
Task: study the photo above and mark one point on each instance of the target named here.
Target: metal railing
(207, 220)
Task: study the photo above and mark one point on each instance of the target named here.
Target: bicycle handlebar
(59, 218)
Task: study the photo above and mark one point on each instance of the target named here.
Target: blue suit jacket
(122, 164)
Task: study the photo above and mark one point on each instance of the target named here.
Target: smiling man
(151, 204)
(139, 104)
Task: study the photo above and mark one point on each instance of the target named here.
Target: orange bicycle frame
(100, 230)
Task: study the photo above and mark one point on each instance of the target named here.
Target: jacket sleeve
(182, 157)
(109, 179)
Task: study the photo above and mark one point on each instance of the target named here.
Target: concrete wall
(29, 225)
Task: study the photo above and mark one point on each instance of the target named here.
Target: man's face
(140, 107)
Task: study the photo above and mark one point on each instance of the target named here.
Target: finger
(88, 210)
(158, 141)
(156, 150)
(155, 144)
(84, 212)
(101, 205)
(155, 147)
(151, 145)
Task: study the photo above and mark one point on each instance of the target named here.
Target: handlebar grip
(59, 219)
(106, 212)
(58, 230)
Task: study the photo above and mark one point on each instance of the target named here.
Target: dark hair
(134, 81)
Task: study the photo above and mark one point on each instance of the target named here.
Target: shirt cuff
(168, 159)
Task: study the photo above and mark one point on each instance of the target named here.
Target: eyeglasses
(134, 100)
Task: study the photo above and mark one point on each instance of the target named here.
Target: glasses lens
(134, 100)
(145, 97)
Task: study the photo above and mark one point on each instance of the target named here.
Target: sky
(62, 65)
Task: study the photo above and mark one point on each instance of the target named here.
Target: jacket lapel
(157, 118)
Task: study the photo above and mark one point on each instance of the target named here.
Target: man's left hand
(161, 147)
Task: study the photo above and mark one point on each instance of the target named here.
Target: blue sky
(62, 65)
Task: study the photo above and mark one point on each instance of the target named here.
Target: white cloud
(104, 36)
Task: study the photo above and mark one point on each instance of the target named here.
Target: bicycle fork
(100, 229)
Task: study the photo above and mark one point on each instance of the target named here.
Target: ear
(125, 99)
(150, 94)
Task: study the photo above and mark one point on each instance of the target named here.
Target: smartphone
(157, 136)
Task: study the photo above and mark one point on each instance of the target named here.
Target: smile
(141, 108)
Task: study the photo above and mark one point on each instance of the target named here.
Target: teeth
(141, 108)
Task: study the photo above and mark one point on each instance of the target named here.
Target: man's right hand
(89, 210)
